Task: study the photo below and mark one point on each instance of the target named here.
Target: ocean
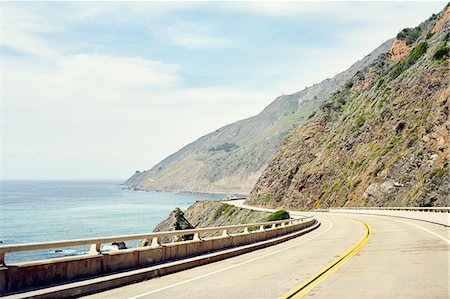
(37, 211)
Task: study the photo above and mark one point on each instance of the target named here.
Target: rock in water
(120, 245)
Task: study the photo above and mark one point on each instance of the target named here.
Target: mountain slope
(232, 158)
(382, 140)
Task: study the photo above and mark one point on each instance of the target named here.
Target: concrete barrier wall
(36, 274)
(440, 218)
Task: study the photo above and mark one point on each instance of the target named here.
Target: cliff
(206, 213)
(231, 158)
(381, 140)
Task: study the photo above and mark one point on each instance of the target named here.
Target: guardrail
(155, 237)
(436, 215)
(416, 209)
(234, 198)
(150, 261)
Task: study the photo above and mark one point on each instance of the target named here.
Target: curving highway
(403, 258)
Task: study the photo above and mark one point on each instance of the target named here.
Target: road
(402, 259)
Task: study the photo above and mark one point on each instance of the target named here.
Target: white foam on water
(65, 251)
(110, 248)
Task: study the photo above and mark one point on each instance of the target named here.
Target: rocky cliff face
(175, 221)
(206, 213)
(231, 159)
(381, 140)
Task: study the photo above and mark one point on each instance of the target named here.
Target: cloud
(76, 79)
(281, 8)
(20, 29)
(194, 37)
(76, 114)
(131, 72)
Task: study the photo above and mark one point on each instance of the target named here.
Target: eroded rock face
(206, 213)
(378, 192)
(382, 141)
(444, 18)
(399, 50)
(175, 221)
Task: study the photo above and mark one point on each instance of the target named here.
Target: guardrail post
(225, 233)
(261, 228)
(246, 230)
(274, 225)
(2, 259)
(196, 237)
(155, 242)
(95, 248)
(283, 224)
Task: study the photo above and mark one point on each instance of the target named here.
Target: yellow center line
(307, 285)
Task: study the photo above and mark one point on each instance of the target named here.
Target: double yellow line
(304, 287)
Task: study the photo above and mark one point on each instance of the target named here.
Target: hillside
(231, 159)
(206, 213)
(381, 140)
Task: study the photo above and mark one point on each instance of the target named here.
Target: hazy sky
(96, 90)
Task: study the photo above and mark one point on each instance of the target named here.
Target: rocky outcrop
(119, 245)
(206, 213)
(445, 17)
(231, 158)
(175, 221)
(381, 140)
(399, 50)
(377, 192)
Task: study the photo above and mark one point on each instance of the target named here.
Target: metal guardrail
(234, 198)
(416, 209)
(155, 237)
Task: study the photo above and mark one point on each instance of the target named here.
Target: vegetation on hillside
(381, 140)
(409, 60)
(227, 146)
(278, 215)
(232, 158)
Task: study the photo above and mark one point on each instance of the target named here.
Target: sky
(97, 90)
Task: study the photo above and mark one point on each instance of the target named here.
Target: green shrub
(356, 183)
(227, 146)
(439, 172)
(380, 82)
(441, 52)
(409, 35)
(278, 215)
(335, 186)
(349, 84)
(219, 210)
(409, 60)
(360, 120)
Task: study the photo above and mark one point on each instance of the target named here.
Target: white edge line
(429, 231)
(230, 267)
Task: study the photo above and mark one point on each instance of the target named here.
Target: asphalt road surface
(402, 259)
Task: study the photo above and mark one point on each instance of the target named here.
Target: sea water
(41, 211)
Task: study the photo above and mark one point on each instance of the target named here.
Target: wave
(110, 248)
(66, 251)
